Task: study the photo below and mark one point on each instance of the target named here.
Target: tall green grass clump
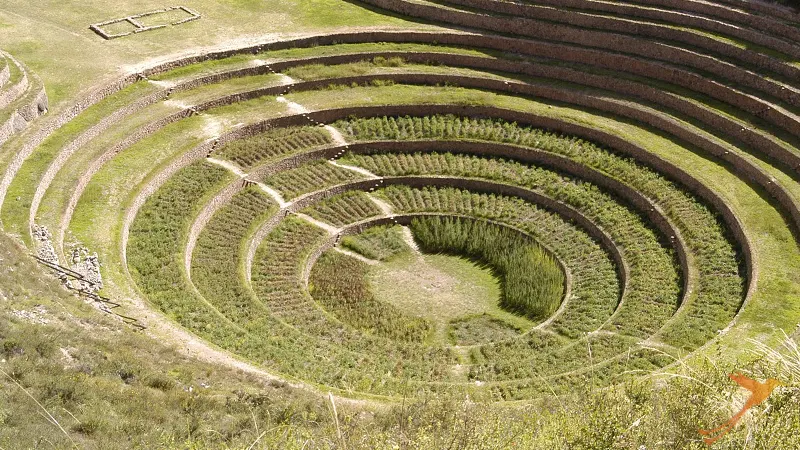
(532, 282)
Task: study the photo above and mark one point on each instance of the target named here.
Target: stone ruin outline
(139, 27)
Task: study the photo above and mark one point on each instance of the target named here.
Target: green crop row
(617, 370)
(277, 282)
(478, 329)
(540, 355)
(255, 150)
(344, 209)
(154, 249)
(594, 286)
(321, 72)
(312, 176)
(155, 260)
(217, 255)
(244, 328)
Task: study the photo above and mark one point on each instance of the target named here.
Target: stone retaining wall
(766, 22)
(13, 125)
(13, 92)
(5, 72)
(720, 123)
(750, 105)
(680, 18)
(450, 38)
(667, 56)
(32, 106)
(555, 51)
(522, 118)
(294, 161)
(51, 126)
(775, 8)
(742, 167)
(83, 139)
(152, 186)
(573, 18)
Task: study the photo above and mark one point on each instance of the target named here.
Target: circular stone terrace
(288, 206)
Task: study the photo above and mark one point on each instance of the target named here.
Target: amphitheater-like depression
(286, 202)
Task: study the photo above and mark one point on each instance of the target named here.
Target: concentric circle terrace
(627, 174)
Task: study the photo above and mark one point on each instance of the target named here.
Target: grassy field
(439, 287)
(25, 27)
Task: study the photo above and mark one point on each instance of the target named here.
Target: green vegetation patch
(154, 249)
(595, 284)
(441, 288)
(15, 214)
(654, 290)
(379, 243)
(339, 283)
(479, 329)
(720, 289)
(252, 151)
(312, 176)
(532, 281)
(322, 71)
(217, 257)
(344, 209)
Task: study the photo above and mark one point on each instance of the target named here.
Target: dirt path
(385, 207)
(355, 255)
(228, 166)
(338, 138)
(286, 79)
(213, 127)
(327, 227)
(274, 194)
(408, 237)
(177, 104)
(292, 106)
(165, 84)
(364, 172)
